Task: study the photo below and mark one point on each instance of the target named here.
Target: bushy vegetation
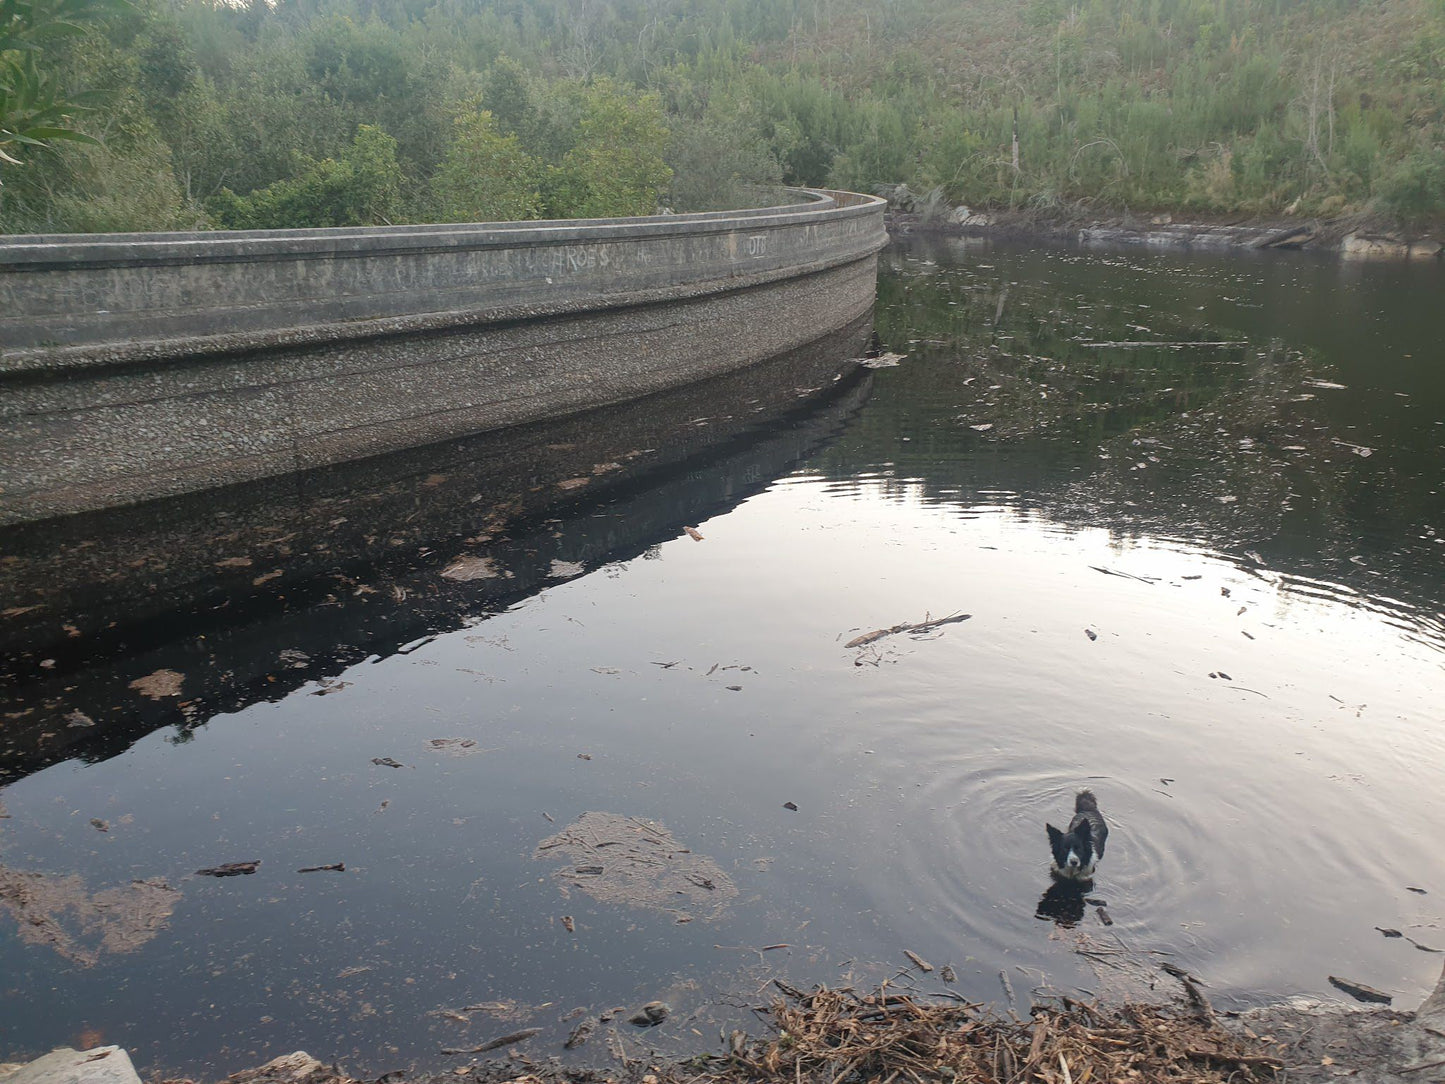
(332, 112)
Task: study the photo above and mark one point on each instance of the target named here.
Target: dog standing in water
(1077, 851)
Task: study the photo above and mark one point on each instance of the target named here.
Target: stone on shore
(293, 1068)
(1361, 247)
(101, 1065)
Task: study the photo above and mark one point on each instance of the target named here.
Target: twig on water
(921, 626)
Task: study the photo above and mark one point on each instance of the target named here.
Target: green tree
(720, 160)
(486, 176)
(34, 111)
(1415, 188)
(363, 188)
(616, 168)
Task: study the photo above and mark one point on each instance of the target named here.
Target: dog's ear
(1055, 836)
(1084, 830)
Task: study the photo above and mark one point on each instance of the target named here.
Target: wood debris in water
(921, 626)
(1359, 991)
(229, 869)
(918, 961)
(497, 1043)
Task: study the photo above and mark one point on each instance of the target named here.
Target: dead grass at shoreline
(836, 1036)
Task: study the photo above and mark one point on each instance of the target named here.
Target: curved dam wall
(136, 366)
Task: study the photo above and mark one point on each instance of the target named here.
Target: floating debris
(497, 1043)
(650, 1015)
(468, 569)
(159, 685)
(1361, 992)
(882, 361)
(790, 806)
(918, 961)
(457, 747)
(620, 859)
(335, 867)
(1125, 575)
(230, 869)
(925, 625)
(692, 532)
(386, 762)
(61, 913)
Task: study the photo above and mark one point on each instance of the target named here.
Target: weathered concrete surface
(100, 1065)
(141, 366)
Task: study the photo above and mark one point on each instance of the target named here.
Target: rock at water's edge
(1359, 247)
(102, 1065)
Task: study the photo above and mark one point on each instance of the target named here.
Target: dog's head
(1073, 851)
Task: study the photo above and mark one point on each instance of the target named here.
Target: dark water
(1247, 515)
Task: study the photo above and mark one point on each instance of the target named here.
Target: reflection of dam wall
(135, 366)
(249, 593)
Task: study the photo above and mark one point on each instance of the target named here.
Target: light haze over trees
(338, 112)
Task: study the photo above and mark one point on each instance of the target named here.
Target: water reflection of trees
(1043, 395)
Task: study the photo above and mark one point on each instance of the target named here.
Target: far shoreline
(1364, 238)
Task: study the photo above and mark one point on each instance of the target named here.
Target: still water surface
(1193, 506)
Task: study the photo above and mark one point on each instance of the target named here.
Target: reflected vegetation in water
(1287, 414)
(666, 701)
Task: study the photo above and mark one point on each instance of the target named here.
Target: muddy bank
(901, 1033)
(1356, 237)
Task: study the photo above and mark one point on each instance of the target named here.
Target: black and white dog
(1077, 851)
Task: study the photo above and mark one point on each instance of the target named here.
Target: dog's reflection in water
(1063, 903)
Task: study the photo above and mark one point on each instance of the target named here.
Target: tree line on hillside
(164, 114)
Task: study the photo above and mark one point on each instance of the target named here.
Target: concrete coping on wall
(71, 301)
(24, 252)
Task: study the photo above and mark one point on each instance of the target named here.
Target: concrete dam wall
(137, 366)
